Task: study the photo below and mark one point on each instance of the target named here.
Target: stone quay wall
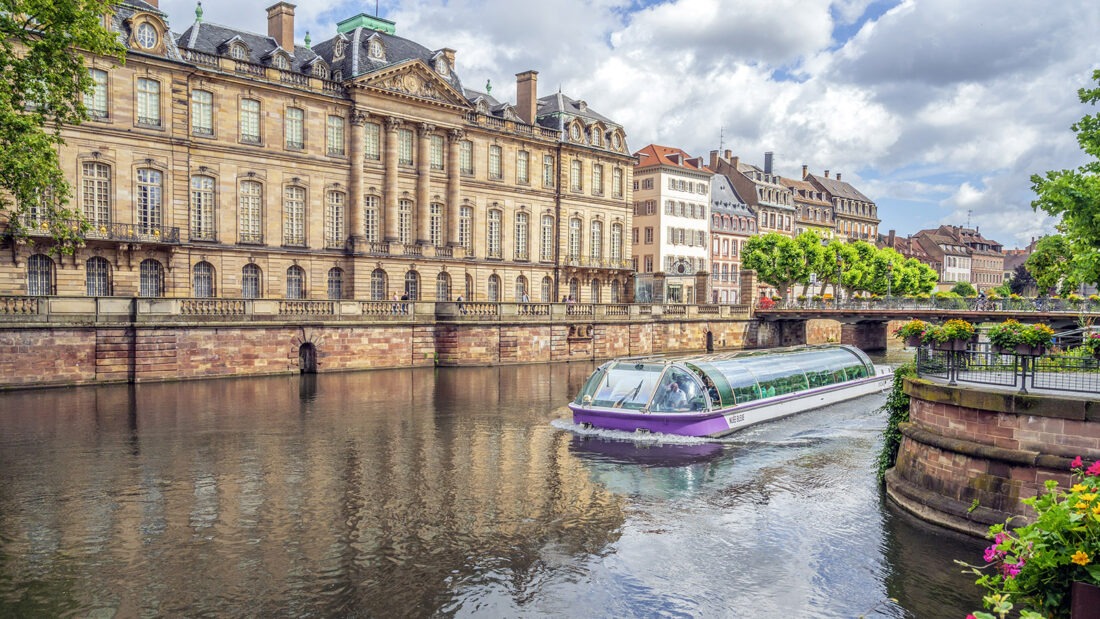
(968, 457)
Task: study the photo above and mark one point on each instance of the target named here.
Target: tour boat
(716, 394)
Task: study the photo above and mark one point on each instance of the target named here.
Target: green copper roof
(369, 22)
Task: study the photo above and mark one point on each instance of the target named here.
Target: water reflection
(424, 492)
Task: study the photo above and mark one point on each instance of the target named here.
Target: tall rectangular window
(492, 234)
(334, 219)
(372, 147)
(148, 103)
(405, 147)
(294, 128)
(575, 183)
(466, 157)
(595, 246)
(334, 136)
(617, 183)
(150, 200)
(404, 221)
(96, 100)
(547, 170)
(522, 252)
(546, 251)
(250, 212)
(597, 179)
(574, 248)
(294, 216)
(616, 242)
(465, 225)
(436, 150)
(495, 172)
(523, 165)
(370, 219)
(435, 225)
(95, 190)
(202, 208)
(250, 121)
(202, 112)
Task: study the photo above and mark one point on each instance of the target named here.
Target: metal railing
(130, 233)
(980, 364)
(1039, 305)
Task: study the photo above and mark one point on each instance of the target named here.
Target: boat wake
(641, 438)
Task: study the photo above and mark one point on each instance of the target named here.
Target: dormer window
(237, 51)
(280, 61)
(596, 139)
(338, 49)
(575, 132)
(441, 66)
(320, 70)
(617, 142)
(147, 35)
(376, 50)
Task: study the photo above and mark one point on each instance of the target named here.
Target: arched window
(295, 283)
(152, 278)
(493, 234)
(616, 291)
(336, 283)
(522, 252)
(412, 285)
(595, 245)
(547, 293)
(494, 288)
(202, 208)
(250, 281)
(97, 277)
(469, 287)
(39, 275)
(575, 289)
(378, 285)
(521, 288)
(443, 286)
(595, 290)
(203, 280)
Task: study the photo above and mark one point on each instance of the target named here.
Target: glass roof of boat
(701, 382)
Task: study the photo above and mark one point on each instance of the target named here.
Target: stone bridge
(868, 327)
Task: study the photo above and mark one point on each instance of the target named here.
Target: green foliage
(778, 260)
(913, 327)
(1036, 564)
(1074, 196)
(954, 329)
(44, 80)
(1051, 263)
(1021, 279)
(897, 407)
(1006, 334)
(964, 289)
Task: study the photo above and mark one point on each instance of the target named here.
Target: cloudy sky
(939, 110)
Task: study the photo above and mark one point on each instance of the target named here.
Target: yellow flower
(1088, 497)
(1080, 558)
(1078, 488)
(1096, 510)
(1081, 505)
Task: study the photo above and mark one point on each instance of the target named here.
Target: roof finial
(488, 87)
(198, 12)
(308, 40)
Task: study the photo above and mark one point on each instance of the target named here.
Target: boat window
(627, 385)
(679, 392)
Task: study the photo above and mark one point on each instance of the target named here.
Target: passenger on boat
(675, 399)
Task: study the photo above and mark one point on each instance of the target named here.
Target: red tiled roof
(655, 155)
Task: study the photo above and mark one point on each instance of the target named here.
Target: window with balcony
(150, 200)
(95, 194)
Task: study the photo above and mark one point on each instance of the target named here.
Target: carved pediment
(414, 79)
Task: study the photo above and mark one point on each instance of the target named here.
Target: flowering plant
(1006, 334)
(765, 303)
(1091, 343)
(911, 328)
(954, 329)
(1037, 335)
(1036, 564)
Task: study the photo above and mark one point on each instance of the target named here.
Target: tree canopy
(44, 79)
(1074, 196)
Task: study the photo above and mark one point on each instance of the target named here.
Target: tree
(1074, 196)
(44, 79)
(813, 253)
(964, 289)
(778, 261)
(1021, 280)
(1051, 263)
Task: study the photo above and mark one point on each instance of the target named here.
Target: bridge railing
(1044, 305)
(980, 364)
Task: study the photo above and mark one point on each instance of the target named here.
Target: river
(445, 493)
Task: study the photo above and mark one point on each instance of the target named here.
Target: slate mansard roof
(724, 198)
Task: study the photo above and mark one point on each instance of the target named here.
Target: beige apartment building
(762, 190)
(855, 214)
(226, 164)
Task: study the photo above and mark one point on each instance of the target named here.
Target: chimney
(838, 176)
(280, 24)
(890, 240)
(805, 171)
(449, 54)
(713, 160)
(527, 97)
(153, 3)
(729, 153)
(768, 162)
(826, 174)
(734, 161)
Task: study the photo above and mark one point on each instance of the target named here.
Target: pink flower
(1012, 570)
(1094, 469)
(1076, 463)
(991, 554)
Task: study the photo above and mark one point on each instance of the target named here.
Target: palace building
(227, 164)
